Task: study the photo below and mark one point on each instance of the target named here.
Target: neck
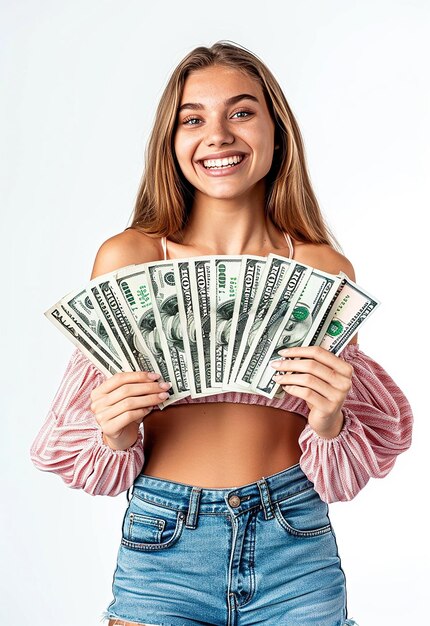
(231, 226)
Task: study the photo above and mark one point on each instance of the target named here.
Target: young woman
(227, 522)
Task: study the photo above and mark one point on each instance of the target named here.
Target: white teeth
(228, 161)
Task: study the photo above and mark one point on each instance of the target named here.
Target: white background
(80, 82)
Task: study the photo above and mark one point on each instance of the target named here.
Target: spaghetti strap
(164, 246)
(290, 244)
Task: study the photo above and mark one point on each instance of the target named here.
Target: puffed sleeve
(377, 428)
(70, 441)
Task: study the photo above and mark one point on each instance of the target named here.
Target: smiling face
(224, 138)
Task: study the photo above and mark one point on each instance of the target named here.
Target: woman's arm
(359, 420)
(92, 436)
(377, 427)
(70, 441)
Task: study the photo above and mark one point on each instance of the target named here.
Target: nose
(218, 132)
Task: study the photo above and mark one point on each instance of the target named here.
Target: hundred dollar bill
(100, 349)
(80, 303)
(280, 310)
(200, 273)
(350, 310)
(183, 281)
(316, 297)
(127, 331)
(105, 313)
(315, 331)
(275, 271)
(224, 286)
(133, 284)
(162, 287)
(249, 279)
(61, 320)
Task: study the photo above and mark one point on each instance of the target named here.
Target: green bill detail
(300, 313)
(335, 328)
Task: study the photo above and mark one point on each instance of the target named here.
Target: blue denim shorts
(263, 553)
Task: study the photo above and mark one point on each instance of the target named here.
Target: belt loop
(265, 498)
(193, 508)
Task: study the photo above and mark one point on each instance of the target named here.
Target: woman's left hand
(320, 378)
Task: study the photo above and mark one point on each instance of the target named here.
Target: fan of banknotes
(210, 324)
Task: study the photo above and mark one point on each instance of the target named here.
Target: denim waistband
(194, 500)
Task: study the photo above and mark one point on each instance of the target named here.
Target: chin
(224, 194)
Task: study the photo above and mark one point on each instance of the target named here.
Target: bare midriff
(220, 445)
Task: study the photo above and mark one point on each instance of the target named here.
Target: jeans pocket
(303, 514)
(150, 526)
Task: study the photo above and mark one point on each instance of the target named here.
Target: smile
(220, 163)
(222, 167)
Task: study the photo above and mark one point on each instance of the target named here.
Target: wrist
(332, 430)
(123, 442)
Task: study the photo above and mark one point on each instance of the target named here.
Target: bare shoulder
(126, 248)
(324, 257)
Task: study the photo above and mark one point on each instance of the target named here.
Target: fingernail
(163, 395)
(165, 385)
(275, 363)
(276, 376)
(284, 351)
(154, 375)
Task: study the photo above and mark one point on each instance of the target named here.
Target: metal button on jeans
(234, 501)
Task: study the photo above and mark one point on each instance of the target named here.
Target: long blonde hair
(164, 199)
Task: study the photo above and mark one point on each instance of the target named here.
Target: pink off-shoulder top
(377, 428)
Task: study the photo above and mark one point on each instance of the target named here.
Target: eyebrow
(197, 106)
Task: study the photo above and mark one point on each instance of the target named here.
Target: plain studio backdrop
(80, 83)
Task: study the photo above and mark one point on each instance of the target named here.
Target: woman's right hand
(122, 402)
